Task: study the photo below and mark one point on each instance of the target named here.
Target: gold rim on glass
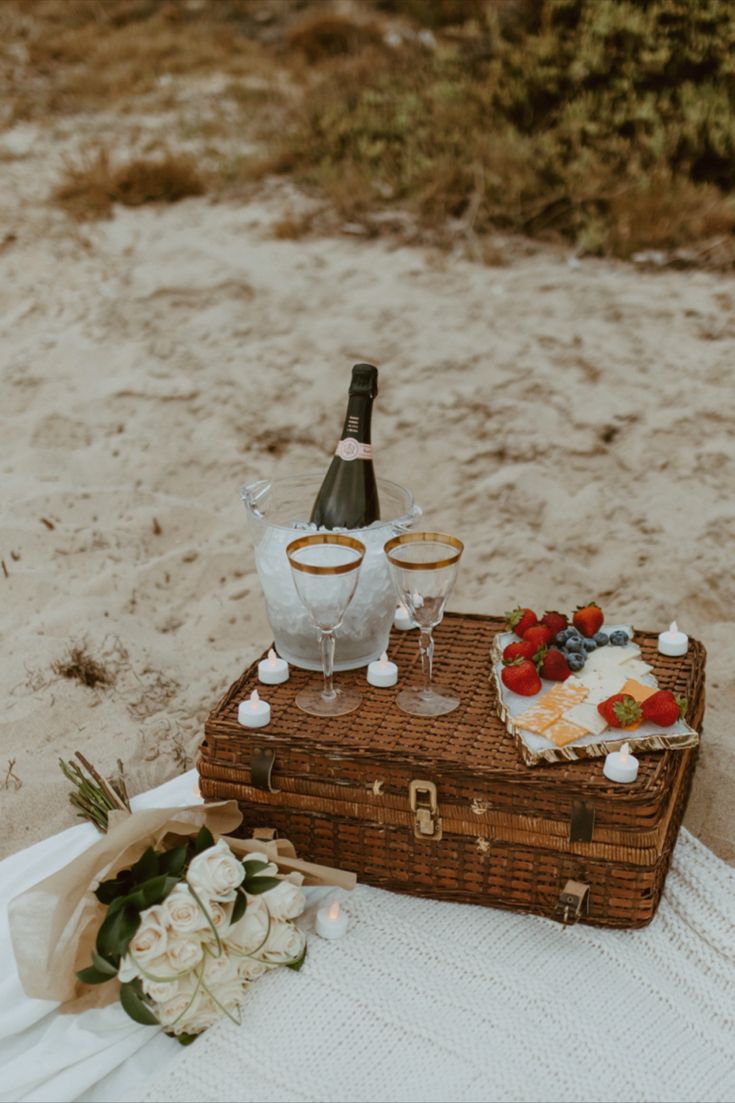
(325, 538)
(423, 538)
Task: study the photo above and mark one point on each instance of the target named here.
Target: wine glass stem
(327, 648)
(426, 648)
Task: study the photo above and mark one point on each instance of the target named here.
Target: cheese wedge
(537, 719)
(638, 691)
(563, 732)
(587, 716)
(565, 694)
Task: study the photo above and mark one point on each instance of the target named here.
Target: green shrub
(610, 122)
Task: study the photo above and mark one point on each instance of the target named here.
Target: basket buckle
(424, 803)
(573, 899)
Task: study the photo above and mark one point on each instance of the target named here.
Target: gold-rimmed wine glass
(423, 566)
(325, 568)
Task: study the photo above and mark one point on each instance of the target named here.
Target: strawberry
(539, 635)
(518, 620)
(519, 650)
(621, 711)
(553, 665)
(588, 619)
(663, 708)
(521, 677)
(555, 622)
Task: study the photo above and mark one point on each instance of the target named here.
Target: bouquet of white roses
(187, 930)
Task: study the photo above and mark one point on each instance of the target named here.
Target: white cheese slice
(587, 716)
(635, 668)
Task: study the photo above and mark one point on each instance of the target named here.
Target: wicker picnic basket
(444, 806)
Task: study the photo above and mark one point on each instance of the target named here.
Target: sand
(570, 419)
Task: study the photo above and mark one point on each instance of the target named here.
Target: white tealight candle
(621, 766)
(254, 713)
(273, 670)
(403, 620)
(382, 673)
(673, 642)
(331, 921)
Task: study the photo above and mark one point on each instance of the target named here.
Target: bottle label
(351, 449)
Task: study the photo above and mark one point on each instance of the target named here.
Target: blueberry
(575, 660)
(560, 638)
(589, 645)
(574, 644)
(600, 638)
(619, 638)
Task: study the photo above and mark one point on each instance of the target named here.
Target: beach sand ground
(571, 420)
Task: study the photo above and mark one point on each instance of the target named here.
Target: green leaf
(157, 889)
(110, 890)
(113, 937)
(146, 867)
(204, 840)
(184, 1039)
(102, 965)
(135, 1006)
(256, 885)
(173, 861)
(90, 975)
(238, 909)
(296, 965)
(253, 866)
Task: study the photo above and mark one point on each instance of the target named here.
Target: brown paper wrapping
(53, 926)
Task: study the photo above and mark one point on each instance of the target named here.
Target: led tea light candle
(254, 713)
(382, 673)
(673, 642)
(273, 670)
(403, 620)
(331, 921)
(621, 766)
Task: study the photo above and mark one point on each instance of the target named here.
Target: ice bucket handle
(407, 520)
(253, 493)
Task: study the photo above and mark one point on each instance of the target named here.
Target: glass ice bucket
(277, 510)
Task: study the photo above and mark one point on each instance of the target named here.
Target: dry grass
(79, 666)
(325, 34)
(665, 213)
(89, 188)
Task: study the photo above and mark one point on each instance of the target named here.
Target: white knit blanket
(430, 1001)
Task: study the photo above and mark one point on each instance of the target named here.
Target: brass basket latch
(573, 900)
(427, 822)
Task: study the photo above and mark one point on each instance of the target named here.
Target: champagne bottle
(348, 498)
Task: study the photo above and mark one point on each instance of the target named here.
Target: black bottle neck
(357, 418)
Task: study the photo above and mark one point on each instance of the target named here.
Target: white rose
(127, 970)
(184, 914)
(184, 952)
(249, 932)
(285, 943)
(248, 969)
(286, 901)
(258, 856)
(202, 1014)
(230, 995)
(220, 915)
(148, 942)
(161, 990)
(219, 970)
(216, 873)
(177, 1006)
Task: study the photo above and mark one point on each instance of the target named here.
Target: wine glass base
(313, 702)
(416, 702)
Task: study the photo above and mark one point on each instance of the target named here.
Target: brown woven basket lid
(471, 739)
